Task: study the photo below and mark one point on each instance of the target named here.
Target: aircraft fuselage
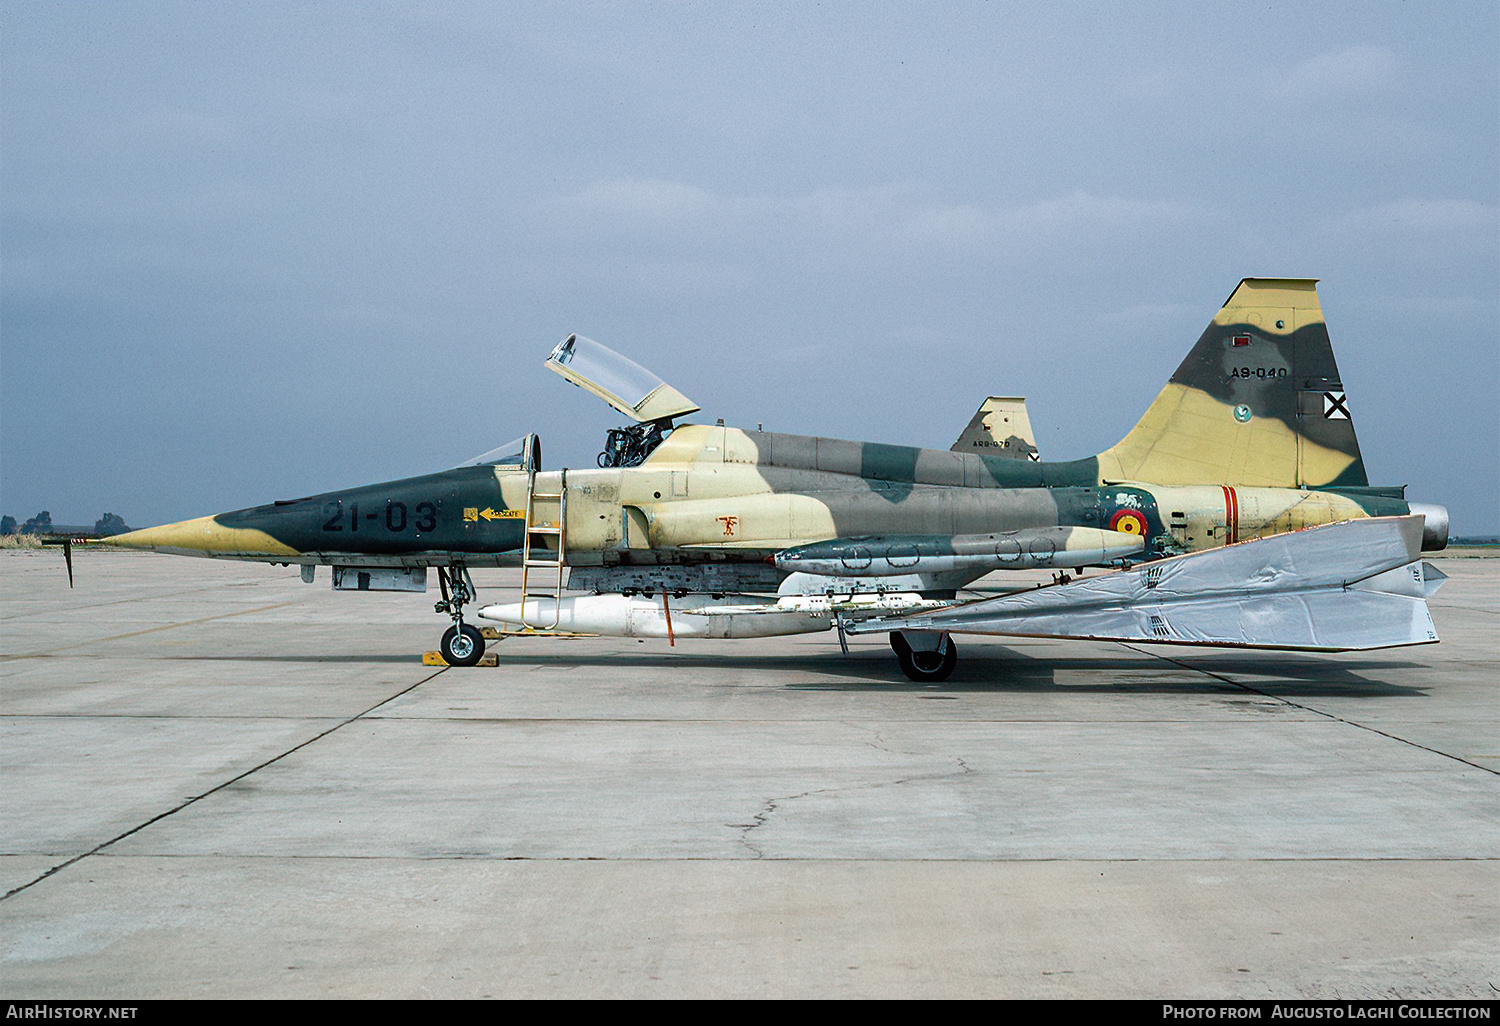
(713, 493)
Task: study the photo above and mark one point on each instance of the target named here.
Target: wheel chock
(436, 659)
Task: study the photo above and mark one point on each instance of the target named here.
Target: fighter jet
(1236, 512)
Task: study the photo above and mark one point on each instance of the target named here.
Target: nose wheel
(462, 644)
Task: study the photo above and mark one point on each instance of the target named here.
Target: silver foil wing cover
(1354, 585)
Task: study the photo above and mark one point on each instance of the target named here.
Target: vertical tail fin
(1001, 427)
(1258, 402)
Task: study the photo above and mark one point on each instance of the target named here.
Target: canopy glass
(618, 380)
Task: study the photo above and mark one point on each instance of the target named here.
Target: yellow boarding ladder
(546, 517)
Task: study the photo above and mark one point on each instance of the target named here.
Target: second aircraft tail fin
(1000, 427)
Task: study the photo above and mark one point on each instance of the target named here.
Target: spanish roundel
(1128, 521)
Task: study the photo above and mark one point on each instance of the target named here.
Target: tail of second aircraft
(1258, 402)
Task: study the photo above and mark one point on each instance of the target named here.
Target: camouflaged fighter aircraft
(696, 530)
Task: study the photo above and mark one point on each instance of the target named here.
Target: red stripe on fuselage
(1231, 514)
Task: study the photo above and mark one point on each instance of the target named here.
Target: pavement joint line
(148, 630)
(1319, 712)
(805, 859)
(219, 787)
(1062, 721)
(116, 602)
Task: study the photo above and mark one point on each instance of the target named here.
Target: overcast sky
(253, 251)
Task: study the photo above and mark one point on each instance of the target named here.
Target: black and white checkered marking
(1335, 406)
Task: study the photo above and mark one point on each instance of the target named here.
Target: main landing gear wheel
(930, 667)
(462, 645)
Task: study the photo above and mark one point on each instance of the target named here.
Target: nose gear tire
(462, 645)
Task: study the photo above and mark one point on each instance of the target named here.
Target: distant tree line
(104, 527)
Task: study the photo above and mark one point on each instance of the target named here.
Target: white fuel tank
(636, 616)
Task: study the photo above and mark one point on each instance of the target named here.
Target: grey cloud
(1349, 71)
(894, 214)
(321, 244)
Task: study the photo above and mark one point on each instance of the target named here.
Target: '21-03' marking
(395, 517)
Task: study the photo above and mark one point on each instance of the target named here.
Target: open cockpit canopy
(618, 380)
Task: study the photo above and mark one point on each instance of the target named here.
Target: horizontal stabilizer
(1352, 585)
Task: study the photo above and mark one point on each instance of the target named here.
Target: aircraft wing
(1359, 584)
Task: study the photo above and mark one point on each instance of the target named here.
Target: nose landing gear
(462, 644)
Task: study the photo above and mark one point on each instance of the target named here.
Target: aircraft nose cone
(204, 536)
